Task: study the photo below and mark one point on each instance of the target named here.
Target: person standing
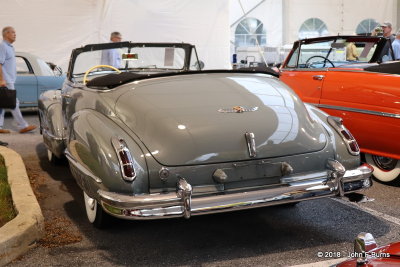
(1, 142)
(351, 52)
(387, 30)
(112, 57)
(387, 33)
(396, 46)
(8, 75)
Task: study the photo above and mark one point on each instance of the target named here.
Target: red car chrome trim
(364, 111)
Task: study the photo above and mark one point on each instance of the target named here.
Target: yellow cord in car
(95, 67)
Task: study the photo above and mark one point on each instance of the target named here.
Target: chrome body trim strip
(364, 111)
(251, 144)
(304, 177)
(182, 204)
(80, 167)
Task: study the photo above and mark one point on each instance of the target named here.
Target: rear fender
(51, 121)
(89, 144)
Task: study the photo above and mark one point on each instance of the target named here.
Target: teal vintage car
(34, 76)
(158, 137)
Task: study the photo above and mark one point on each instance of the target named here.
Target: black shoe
(3, 143)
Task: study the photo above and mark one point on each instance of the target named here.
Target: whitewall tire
(94, 212)
(53, 159)
(385, 169)
(50, 156)
(90, 207)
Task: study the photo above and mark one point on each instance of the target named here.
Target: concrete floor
(274, 236)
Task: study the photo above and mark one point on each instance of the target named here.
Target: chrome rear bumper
(182, 204)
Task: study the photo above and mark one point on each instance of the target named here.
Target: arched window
(313, 28)
(366, 26)
(249, 32)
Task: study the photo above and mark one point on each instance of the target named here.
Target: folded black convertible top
(115, 79)
(389, 68)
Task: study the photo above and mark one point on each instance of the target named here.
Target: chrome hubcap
(385, 163)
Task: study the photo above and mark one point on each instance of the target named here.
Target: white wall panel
(269, 12)
(283, 18)
(340, 16)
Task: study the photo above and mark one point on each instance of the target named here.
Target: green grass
(7, 211)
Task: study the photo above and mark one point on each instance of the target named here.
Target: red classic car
(353, 77)
(367, 253)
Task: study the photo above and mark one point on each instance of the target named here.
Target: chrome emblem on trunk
(251, 144)
(237, 109)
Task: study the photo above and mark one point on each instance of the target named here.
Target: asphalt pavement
(272, 236)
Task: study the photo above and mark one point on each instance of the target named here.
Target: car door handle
(318, 77)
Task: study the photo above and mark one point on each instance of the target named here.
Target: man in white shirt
(8, 75)
(112, 57)
(396, 46)
(387, 33)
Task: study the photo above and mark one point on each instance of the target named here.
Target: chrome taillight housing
(349, 140)
(125, 159)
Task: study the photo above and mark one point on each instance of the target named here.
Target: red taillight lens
(354, 146)
(123, 155)
(128, 171)
(125, 159)
(347, 135)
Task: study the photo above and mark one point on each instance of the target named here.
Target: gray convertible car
(157, 137)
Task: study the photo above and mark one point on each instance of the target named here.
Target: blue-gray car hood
(185, 120)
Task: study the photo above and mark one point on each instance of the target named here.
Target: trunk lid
(188, 120)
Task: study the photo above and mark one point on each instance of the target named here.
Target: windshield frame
(188, 48)
(378, 40)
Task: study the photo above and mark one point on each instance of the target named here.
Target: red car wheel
(385, 169)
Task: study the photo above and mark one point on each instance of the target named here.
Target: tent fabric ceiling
(52, 28)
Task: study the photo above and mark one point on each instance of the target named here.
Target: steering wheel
(325, 58)
(96, 67)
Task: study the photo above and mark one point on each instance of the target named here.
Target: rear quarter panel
(89, 142)
(51, 122)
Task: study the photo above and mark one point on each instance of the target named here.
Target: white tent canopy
(50, 29)
(282, 19)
